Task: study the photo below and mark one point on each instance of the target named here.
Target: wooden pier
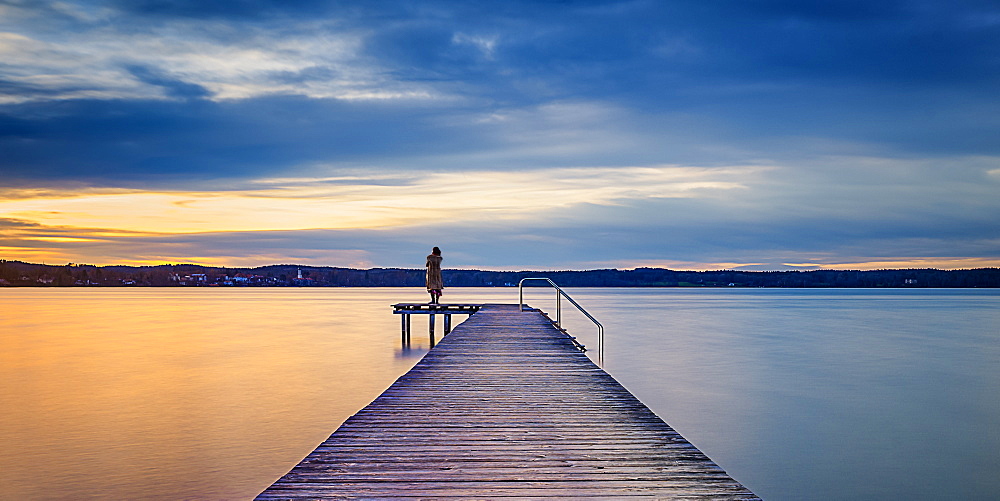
(432, 309)
(506, 407)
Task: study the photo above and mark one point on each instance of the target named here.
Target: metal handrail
(559, 295)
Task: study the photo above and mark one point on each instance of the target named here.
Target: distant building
(192, 279)
(304, 282)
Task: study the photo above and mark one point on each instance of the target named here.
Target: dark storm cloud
(173, 87)
(27, 91)
(907, 76)
(228, 10)
(613, 43)
(132, 141)
(901, 41)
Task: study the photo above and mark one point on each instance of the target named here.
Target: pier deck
(405, 310)
(506, 406)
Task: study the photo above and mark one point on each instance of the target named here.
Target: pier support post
(407, 310)
(402, 327)
(431, 324)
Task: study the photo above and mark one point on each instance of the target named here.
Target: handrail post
(558, 322)
(559, 307)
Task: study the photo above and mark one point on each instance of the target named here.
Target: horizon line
(790, 269)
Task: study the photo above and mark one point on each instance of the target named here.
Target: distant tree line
(21, 274)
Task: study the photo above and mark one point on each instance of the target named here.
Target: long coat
(434, 280)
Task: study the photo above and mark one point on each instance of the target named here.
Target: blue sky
(514, 135)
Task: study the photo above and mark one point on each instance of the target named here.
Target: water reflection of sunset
(174, 394)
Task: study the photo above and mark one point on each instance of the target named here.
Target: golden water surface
(184, 393)
(214, 393)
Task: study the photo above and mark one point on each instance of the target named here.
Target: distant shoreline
(22, 274)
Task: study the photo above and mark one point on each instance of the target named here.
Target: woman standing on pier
(435, 283)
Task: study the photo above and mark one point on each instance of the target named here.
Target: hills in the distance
(18, 273)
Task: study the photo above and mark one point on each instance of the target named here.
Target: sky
(687, 134)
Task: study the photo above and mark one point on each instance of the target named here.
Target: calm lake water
(215, 393)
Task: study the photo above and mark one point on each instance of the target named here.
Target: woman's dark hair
(436, 251)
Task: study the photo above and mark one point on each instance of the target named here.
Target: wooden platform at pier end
(506, 407)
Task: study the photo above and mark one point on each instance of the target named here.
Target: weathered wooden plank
(505, 406)
(515, 489)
